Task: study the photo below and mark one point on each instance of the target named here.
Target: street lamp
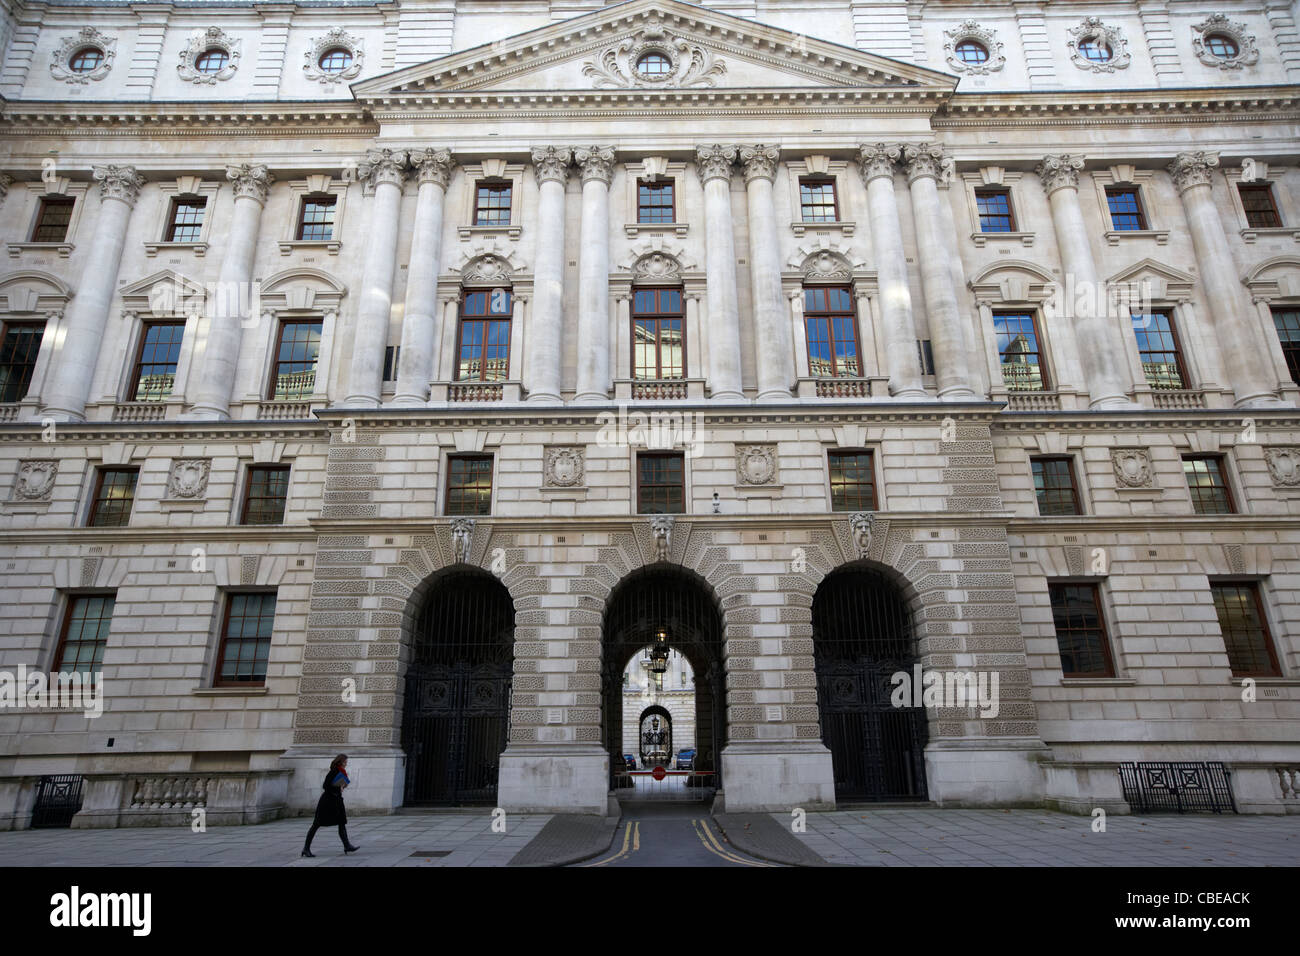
(659, 653)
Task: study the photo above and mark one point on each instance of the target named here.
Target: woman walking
(329, 809)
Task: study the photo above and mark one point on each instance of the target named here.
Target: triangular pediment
(1155, 280)
(690, 49)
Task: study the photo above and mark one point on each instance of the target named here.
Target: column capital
(1059, 172)
(878, 160)
(119, 182)
(432, 166)
(551, 163)
(922, 160)
(1193, 169)
(596, 163)
(251, 181)
(714, 162)
(759, 161)
(383, 165)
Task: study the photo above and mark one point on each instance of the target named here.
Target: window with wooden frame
(246, 628)
(1286, 319)
(1245, 629)
(655, 201)
(155, 361)
(469, 485)
(110, 505)
(1054, 486)
(52, 219)
(185, 219)
(1023, 368)
(84, 634)
(265, 494)
(1157, 342)
(831, 325)
(1126, 213)
(1258, 204)
(660, 483)
(994, 206)
(1081, 630)
(316, 218)
(293, 373)
(817, 202)
(1208, 484)
(20, 343)
(483, 336)
(852, 480)
(658, 334)
(492, 202)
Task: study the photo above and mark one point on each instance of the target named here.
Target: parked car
(630, 761)
(686, 760)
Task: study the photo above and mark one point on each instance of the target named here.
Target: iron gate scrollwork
(456, 719)
(862, 636)
(58, 798)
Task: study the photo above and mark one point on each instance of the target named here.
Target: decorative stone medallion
(35, 480)
(69, 46)
(1092, 28)
(486, 270)
(1132, 468)
(1283, 466)
(755, 464)
(564, 467)
(861, 524)
(661, 526)
(826, 266)
(204, 41)
(340, 39)
(1218, 25)
(657, 267)
(985, 37)
(654, 58)
(188, 478)
(462, 537)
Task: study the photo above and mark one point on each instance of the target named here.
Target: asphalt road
(670, 834)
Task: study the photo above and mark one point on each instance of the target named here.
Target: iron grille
(1177, 786)
(58, 798)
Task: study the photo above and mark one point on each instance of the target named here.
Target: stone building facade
(974, 323)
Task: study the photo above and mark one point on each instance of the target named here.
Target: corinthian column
(714, 164)
(924, 162)
(1101, 345)
(78, 350)
(546, 327)
(415, 369)
(597, 165)
(1238, 332)
(771, 315)
(231, 305)
(385, 171)
(891, 271)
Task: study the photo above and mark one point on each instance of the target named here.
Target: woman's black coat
(329, 809)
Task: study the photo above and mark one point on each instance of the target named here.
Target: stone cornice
(1120, 107)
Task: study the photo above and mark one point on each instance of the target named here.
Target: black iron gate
(456, 719)
(1177, 786)
(862, 636)
(58, 798)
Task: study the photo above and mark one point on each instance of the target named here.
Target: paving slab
(760, 835)
(568, 838)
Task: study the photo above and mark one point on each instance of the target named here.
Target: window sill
(1161, 236)
(468, 232)
(634, 229)
(981, 239)
(331, 246)
(802, 227)
(1251, 234)
(230, 691)
(1268, 681)
(153, 248)
(64, 249)
(1098, 681)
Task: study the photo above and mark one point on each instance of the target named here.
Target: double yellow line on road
(631, 843)
(713, 846)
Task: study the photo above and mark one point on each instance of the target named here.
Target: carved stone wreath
(1283, 466)
(201, 41)
(188, 478)
(1247, 51)
(1093, 29)
(35, 481)
(340, 38)
(564, 467)
(615, 67)
(657, 267)
(1132, 468)
(755, 464)
(986, 37)
(88, 36)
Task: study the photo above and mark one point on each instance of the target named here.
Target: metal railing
(1177, 786)
(665, 785)
(58, 798)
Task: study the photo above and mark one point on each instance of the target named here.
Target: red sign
(658, 773)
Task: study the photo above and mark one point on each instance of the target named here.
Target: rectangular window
(660, 483)
(1208, 485)
(265, 494)
(995, 210)
(925, 356)
(293, 374)
(1022, 361)
(831, 323)
(155, 363)
(245, 639)
(19, 345)
(316, 222)
(1287, 322)
(1125, 209)
(1054, 486)
(114, 495)
(1257, 201)
(492, 204)
(655, 202)
(484, 348)
(658, 350)
(469, 485)
(392, 354)
(185, 223)
(1245, 633)
(85, 633)
(52, 219)
(853, 481)
(817, 200)
(1162, 362)
(1080, 630)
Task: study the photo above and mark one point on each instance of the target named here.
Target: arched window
(831, 322)
(658, 334)
(483, 350)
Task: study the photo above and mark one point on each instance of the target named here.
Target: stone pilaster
(776, 371)
(714, 165)
(546, 324)
(597, 165)
(420, 325)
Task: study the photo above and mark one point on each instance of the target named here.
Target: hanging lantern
(659, 653)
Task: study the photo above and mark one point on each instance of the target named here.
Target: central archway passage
(669, 601)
